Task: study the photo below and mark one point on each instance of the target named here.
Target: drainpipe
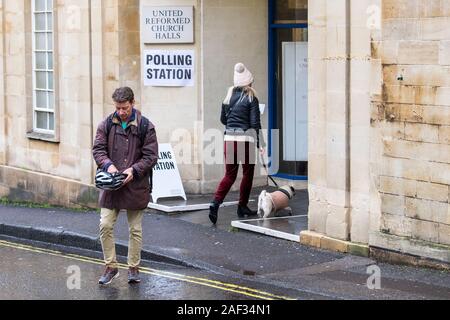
(91, 94)
(3, 146)
(348, 79)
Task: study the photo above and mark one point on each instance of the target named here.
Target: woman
(241, 116)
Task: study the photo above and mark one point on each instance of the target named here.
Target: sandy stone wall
(412, 121)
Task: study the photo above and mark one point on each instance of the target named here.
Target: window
(43, 71)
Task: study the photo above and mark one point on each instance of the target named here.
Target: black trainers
(242, 212)
(109, 275)
(133, 275)
(214, 211)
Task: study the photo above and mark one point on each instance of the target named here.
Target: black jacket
(241, 115)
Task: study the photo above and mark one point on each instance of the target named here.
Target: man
(125, 142)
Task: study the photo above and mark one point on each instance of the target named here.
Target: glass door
(288, 88)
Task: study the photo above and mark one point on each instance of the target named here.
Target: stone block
(399, 94)
(359, 231)
(425, 209)
(312, 239)
(444, 134)
(436, 115)
(318, 213)
(338, 222)
(425, 230)
(430, 8)
(400, 9)
(359, 250)
(444, 53)
(398, 186)
(406, 29)
(422, 132)
(434, 28)
(440, 173)
(444, 234)
(443, 95)
(395, 225)
(332, 244)
(405, 168)
(392, 204)
(418, 52)
(431, 191)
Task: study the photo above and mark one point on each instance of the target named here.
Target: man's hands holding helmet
(129, 172)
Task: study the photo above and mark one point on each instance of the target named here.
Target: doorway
(288, 88)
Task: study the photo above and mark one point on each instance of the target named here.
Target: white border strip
(266, 231)
(273, 218)
(186, 208)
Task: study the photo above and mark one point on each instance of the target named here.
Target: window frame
(50, 112)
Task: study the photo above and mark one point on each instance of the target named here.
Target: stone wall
(57, 170)
(411, 119)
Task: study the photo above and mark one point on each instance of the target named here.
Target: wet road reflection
(30, 272)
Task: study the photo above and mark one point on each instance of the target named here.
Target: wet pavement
(59, 273)
(228, 214)
(189, 240)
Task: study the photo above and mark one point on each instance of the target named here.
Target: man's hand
(112, 169)
(262, 151)
(129, 173)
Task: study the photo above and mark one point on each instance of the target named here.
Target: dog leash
(267, 171)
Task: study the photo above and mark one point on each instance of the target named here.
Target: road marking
(250, 292)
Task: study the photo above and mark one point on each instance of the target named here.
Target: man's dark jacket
(123, 149)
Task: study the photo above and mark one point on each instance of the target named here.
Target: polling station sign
(166, 177)
(168, 68)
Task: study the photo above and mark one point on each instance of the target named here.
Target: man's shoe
(214, 211)
(245, 211)
(109, 275)
(133, 275)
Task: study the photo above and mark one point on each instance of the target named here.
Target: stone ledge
(317, 240)
(401, 258)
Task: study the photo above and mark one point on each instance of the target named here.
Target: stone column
(329, 118)
(2, 89)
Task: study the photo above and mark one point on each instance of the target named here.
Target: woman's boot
(245, 211)
(214, 211)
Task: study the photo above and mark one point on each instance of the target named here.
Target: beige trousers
(107, 222)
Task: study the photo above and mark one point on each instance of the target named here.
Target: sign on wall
(167, 24)
(168, 68)
(166, 177)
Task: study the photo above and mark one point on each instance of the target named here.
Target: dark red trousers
(237, 153)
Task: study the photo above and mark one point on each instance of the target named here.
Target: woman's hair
(247, 91)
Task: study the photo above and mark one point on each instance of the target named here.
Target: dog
(271, 203)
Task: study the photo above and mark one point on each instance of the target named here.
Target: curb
(317, 240)
(80, 241)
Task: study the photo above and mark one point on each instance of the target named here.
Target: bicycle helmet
(109, 181)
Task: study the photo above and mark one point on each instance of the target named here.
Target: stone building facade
(378, 110)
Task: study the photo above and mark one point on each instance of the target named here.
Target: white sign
(166, 177)
(168, 68)
(167, 24)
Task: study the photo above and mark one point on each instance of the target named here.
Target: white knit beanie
(242, 76)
